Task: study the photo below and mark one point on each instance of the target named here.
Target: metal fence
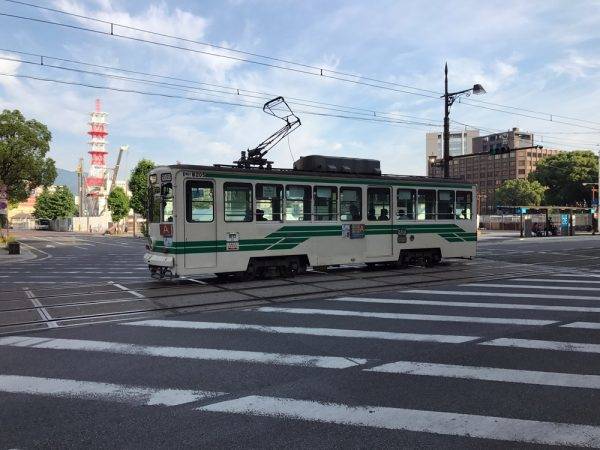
(512, 222)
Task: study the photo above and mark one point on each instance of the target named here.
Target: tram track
(34, 325)
(213, 282)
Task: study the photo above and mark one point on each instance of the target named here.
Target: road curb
(6, 259)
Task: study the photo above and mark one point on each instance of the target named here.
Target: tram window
(350, 203)
(154, 200)
(325, 203)
(464, 205)
(199, 201)
(405, 204)
(445, 205)
(268, 202)
(426, 204)
(238, 202)
(167, 202)
(297, 203)
(378, 204)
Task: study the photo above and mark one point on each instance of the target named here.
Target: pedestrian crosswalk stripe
(552, 280)
(490, 374)
(569, 275)
(586, 325)
(328, 362)
(397, 316)
(394, 301)
(532, 286)
(331, 332)
(437, 422)
(499, 294)
(91, 390)
(544, 345)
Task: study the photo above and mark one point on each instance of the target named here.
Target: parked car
(42, 224)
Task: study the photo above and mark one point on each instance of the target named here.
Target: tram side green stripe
(290, 236)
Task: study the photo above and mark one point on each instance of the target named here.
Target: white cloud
(576, 65)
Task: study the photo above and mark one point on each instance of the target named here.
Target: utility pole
(80, 185)
(597, 230)
(449, 99)
(446, 138)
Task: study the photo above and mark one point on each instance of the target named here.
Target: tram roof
(275, 173)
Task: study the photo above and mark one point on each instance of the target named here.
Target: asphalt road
(476, 361)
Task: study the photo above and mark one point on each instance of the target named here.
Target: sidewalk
(6, 259)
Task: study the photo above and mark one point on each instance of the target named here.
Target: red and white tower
(96, 181)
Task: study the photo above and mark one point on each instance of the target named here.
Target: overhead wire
(44, 60)
(112, 32)
(217, 102)
(319, 70)
(220, 47)
(562, 142)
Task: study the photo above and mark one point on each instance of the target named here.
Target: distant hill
(66, 178)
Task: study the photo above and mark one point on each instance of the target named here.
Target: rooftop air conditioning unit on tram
(338, 164)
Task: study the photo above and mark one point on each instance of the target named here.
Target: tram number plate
(402, 236)
(232, 243)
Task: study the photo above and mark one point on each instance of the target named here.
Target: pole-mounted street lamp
(449, 99)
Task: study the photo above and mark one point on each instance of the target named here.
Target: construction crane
(113, 182)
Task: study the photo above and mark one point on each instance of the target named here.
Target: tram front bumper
(155, 260)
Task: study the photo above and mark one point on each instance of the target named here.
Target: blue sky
(542, 56)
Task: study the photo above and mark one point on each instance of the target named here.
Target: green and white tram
(326, 211)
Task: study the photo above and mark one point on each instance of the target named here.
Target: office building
(461, 143)
(496, 158)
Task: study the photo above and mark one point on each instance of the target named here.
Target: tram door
(200, 236)
(379, 217)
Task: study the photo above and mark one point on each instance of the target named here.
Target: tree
(520, 192)
(564, 174)
(59, 203)
(138, 185)
(23, 148)
(118, 204)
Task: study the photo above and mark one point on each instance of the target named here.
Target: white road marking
(544, 345)
(499, 294)
(48, 255)
(395, 301)
(44, 314)
(586, 325)
(490, 374)
(130, 291)
(90, 390)
(567, 275)
(193, 281)
(532, 286)
(397, 316)
(552, 280)
(91, 277)
(332, 332)
(327, 362)
(437, 422)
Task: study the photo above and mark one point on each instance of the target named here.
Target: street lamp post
(449, 99)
